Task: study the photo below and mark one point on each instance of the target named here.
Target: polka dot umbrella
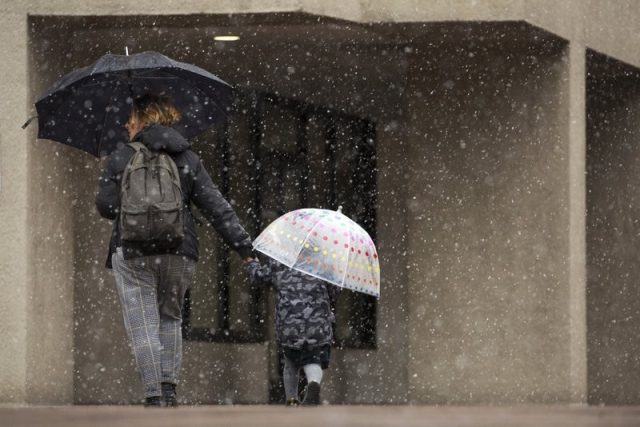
(325, 244)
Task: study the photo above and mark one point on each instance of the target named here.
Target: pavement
(325, 416)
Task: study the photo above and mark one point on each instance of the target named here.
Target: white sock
(313, 371)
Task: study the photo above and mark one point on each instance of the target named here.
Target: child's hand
(258, 274)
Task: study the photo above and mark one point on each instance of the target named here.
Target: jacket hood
(162, 138)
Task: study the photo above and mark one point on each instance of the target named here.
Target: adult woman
(151, 280)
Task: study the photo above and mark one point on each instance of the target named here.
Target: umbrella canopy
(88, 107)
(324, 244)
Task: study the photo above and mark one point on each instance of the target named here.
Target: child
(303, 324)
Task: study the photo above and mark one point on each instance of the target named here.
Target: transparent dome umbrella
(88, 107)
(324, 244)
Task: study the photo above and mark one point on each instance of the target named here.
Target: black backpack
(151, 207)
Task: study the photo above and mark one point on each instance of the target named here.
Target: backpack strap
(137, 145)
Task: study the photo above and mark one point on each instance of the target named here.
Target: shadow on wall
(613, 230)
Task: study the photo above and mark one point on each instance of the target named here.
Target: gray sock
(313, 371)
(290, 377)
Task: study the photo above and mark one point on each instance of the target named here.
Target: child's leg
(290, 378)
(313, 371)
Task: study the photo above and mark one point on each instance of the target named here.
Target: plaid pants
(151, 291)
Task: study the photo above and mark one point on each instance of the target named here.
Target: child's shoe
(292, 401)
(169, 395)
(312, 396)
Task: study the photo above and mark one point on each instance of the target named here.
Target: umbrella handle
(28, 122)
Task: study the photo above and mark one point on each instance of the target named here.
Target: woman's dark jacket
(303, 304)
(197, 188)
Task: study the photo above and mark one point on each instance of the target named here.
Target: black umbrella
(88, 107)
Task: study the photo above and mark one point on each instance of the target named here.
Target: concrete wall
(50, 309)
(612, 230)
(487, 226)
(14, 257)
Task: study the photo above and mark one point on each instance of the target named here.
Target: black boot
(312, 396)
(169, 395)
(153, 402)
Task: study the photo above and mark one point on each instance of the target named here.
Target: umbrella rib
(305, 239)
(102, 131)
(172, 77)
(181, 67)
(93, 69)
(141, 76)
(346, 267)
(188, 83)
(106, 114)
(302, 247)
(191, 85)
(349, 254)
(207, 96)
(324, 279)
(100, 83)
